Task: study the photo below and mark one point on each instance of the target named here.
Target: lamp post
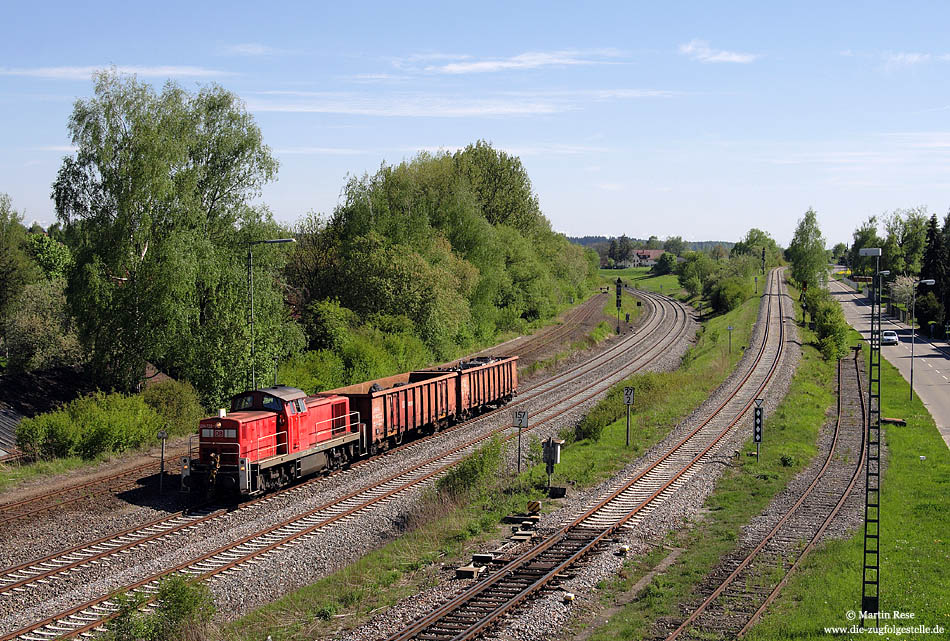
(913, 330)
(250, 289)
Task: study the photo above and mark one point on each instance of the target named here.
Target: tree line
(157, 209)
(617, 251)
(914, 247)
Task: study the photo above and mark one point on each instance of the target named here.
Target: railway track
(477, 609)
(579, 316)
(742, 587)
(90, 615)
(58, 499)
(60, 563)
(30, 507)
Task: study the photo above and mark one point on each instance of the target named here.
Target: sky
(691, 119)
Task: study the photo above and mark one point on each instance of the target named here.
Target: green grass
(743, 491)
(642, 278)
(915, 537)
(444, 533)
(14, 474)
(628, 305)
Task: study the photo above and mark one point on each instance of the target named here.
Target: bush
(177, 403)
(612, 407)
(729, 293)
(183, 607)
(474, 476)
(90, 426)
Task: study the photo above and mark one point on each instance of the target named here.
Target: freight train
(273, 436)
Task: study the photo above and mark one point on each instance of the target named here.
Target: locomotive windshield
(256, 401)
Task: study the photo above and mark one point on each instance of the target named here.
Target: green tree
(501, 187)
(839, 253)
(666, 264)
(695, 271)
(864, 236)
(16, 268)
(39, 332)
(807, 250)
(674, 245)
(935, 265)
(52, 256)
(156, 198)
(624, 249)
(753, 243)
(653, 243)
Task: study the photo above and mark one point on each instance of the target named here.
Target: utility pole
(250, 289)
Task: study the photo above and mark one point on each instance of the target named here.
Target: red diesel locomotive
(275, 435)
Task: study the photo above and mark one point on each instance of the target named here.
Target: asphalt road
(931, 359)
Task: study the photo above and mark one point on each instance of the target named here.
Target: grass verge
(14, 474)
(444, 532)
(915, 542)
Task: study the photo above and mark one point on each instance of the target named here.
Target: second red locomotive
(275, 435)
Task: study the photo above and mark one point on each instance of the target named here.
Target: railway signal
(757, 426)
(619, 289)
(628, 393)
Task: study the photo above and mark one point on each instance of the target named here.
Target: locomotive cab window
(243, 402)
(271, 403)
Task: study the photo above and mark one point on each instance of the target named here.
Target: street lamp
(250, 288)
(913, 330)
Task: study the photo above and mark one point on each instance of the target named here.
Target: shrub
(184, 607)
(90, 426)
(177, 403)
(475, 474)
(729, 293)
(612, 407)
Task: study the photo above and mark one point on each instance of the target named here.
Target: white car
(889, 337)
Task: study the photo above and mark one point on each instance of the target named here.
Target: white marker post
(519, 419)
(628, 401)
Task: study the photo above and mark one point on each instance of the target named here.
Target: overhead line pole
(250, 288)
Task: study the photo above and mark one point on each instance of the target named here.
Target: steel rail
(777, 527)
(58, 563)
(543, 339)
(821, 530)
(473, 593)
(149, 584)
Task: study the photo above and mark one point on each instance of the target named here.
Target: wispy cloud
(904, 59)
(85, 73)
(252, 49)
(701, 51)
(521, 103)
(410, 105)
(611, 186)
(528, 60)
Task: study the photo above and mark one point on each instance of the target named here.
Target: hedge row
(104, 423)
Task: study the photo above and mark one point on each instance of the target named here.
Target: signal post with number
(519, 419)
(628, 401)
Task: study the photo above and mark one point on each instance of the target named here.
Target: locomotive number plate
(219, 433)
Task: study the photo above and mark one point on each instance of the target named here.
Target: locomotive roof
(282, 392)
